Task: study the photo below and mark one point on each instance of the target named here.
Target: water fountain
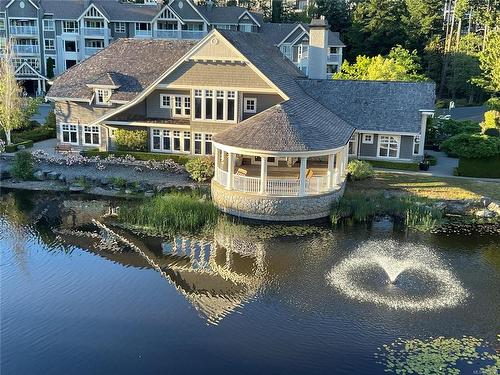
(408, 276)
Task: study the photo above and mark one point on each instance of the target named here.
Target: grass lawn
(424, 186)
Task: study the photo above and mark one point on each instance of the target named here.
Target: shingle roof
(375, 105)
(135, 64)
(276, 32)
(226, 14)
(290, 126)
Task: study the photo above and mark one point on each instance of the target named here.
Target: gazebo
(281, 166)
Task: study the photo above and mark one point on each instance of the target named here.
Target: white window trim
(91, 132)
(368, 141)
(183, 105)
(214, 105)
(120, 27)
(203, 141)
(163, 96)
(77, 143)
(47, 22)
(182, 137)
(245, 105)
(354, 139)
(53, 44)
(106, 97)
(398, 138)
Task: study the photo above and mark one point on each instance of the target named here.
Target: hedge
(489, 168)
(38, 134)
(15, 146)
(180, 159)
(394, 165)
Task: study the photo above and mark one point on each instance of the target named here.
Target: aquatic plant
(439, 355)
(414, 212)
(171, 213)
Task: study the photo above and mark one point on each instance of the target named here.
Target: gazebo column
(303, 167)
(337, 167)
(230, 170)
(263, 175)
(217, 159)
(330, 173)
(39, 84)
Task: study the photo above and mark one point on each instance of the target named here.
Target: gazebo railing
(221, 176)
(246, 184)
(287, 187)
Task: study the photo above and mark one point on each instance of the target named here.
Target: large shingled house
(281, 140)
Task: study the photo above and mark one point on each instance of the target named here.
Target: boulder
(53, 175)
(486, 214)
(39, 175)
(495, 207)
(76, 188)
(128, 191)
(149, 193)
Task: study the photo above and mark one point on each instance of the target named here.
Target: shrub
(438, 130)
(15, 146)
(50, 120)
(493, 104)
(394, 165)
(471, 146)
(491, 120)
(200, 169)
(144, 156)
(359, 169)
(492, 132)
(23, 166)
(131, 140)
(37, 134)
(488, 167)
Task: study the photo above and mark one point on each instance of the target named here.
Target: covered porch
(279, 174)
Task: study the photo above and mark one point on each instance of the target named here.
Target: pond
(82, 295)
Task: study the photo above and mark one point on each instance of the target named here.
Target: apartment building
(50, 36)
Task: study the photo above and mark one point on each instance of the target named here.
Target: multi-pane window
(208, 144)
(388, 146)
(198, 143)
(353, 144)
(250, 105)
(187, 106)
(187, 141)
(368, 138)
(203, 144)
(209, 99)
(120, 27)
(177, 140)
(48, 25)
(142, 28)
(91, 135)
(3, 43)
(216, 105)
(231, 105)
(416, 145)
(182, 105)
(70, 46)
(50, 45)
(198, 96)
(69, 133)
(2, 22)
(164, 101)
(102, 96)
(219, 105)
(70, 26)
(94, 24)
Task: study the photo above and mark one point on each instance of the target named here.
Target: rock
(4, 175)
(76, 188)
(455, 209)
(149, 193)
(39, 175)
(487, 214)
(485, 201)
(128, 191)
(53, 175)
(495, 207)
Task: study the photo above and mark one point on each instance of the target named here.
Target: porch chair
(241, 172)
(63, 147)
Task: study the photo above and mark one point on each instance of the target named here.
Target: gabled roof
(225, 15)
(108, 79)
(277, 33)
(289, 126)
(135, 64)
(375, 105)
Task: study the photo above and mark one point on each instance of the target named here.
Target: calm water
(78, 299)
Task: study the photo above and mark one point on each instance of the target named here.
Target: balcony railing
(23, 30)
(333, 58)
(94, 31)
(24, 49)
(189, 34)
(143, 33)
(167, 34)
(89, 51)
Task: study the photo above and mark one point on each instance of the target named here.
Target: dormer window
(102, 96)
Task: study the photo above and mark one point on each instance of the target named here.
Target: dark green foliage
(471, 146)
(15, 146)
(439, 130)
(492, 132)
(37, 134)
(394, 165)
(493, 104)
(430, 159)
(201, 169)
(179, 159)
(417, 213)
(360, 170)
(51, 64)
(172, 213)
(489, 167)
(131, 140)
(23, 166)
(50, 120)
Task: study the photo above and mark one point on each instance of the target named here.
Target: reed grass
(171, 213)
(414, 212)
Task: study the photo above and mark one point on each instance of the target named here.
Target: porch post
(263, 175)
(337, 168)
(216, 151)
(39, 87)
(330, 172)
(44, 86)
(303, 167)
(230, 170)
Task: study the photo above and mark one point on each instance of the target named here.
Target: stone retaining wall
(270, 208)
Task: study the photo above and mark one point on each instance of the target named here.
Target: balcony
(89, 51)
(191, 34)
(167, 34)
(95, 32)
(333, 58)
(143, 33)
(26, 49)
(24, 30)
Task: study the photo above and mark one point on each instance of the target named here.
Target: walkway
(464, 113)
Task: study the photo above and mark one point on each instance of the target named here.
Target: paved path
(43, 111)
(445, 165)
(464, 113)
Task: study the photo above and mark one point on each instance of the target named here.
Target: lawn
(424, 186)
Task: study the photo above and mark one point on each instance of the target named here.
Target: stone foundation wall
(274, 208)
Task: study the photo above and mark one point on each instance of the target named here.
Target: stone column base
(269, 208)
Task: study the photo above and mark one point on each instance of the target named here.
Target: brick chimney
(318, 43)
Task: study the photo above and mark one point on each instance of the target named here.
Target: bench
(63, 147)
